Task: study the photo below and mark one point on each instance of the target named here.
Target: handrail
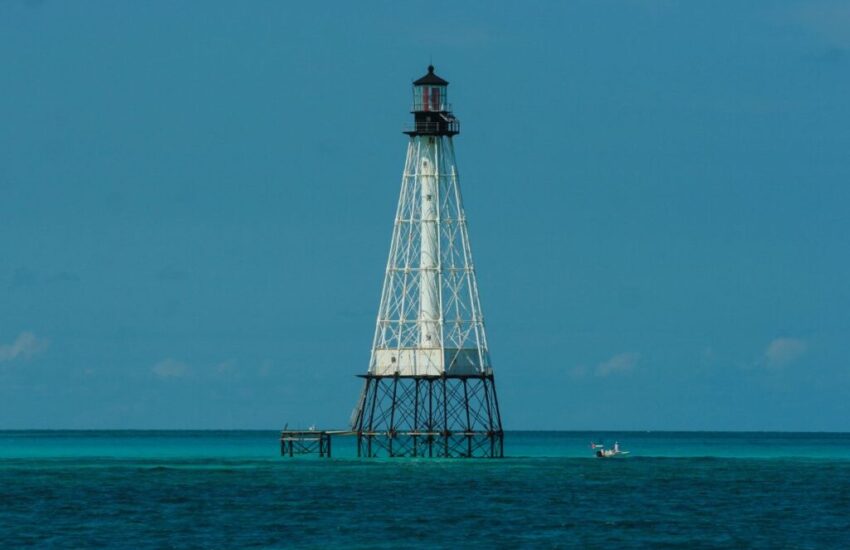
(452, 125)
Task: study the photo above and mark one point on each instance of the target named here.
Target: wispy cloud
(829, 19)
(26, 345)
(784, 351)
(170, 368)
(623, 362)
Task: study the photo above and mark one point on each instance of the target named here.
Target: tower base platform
(449, 416)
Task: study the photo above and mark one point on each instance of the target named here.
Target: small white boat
(613, 452)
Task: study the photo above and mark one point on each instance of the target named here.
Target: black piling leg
(430, 418)
(445, 419)
(468, 423)
(415, 415)
(391, 434)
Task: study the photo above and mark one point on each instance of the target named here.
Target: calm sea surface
(231, 489)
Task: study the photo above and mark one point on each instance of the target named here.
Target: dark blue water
(231, 490)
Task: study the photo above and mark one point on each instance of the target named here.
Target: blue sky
(196, 202)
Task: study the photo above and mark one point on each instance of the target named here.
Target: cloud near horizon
(25, 346)
(170, 368)
(784, 351)
(623, 362)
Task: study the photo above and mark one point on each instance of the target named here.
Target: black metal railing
(433, 127)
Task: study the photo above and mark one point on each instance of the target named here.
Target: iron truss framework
(430, 293)
(429, 416)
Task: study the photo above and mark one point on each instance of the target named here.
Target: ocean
(231, 489)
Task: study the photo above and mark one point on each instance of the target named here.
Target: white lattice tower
(429, 320)
(430, 326)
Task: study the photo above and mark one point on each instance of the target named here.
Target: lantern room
(432, 113)
(429, 93)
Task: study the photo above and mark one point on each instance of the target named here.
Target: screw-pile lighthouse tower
(429, 389)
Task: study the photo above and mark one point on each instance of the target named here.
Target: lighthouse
(429, 389)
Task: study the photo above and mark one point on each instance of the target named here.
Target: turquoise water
(233, 490)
